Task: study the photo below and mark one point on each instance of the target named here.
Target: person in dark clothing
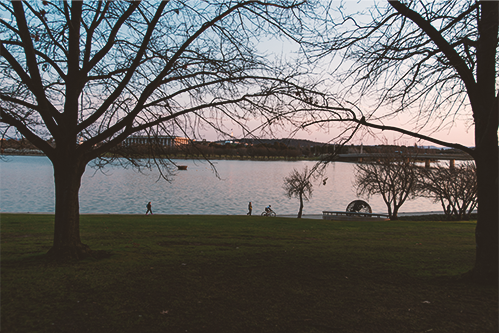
(250, 208)
(149, 210)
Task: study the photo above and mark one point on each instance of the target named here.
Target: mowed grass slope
(244, 274)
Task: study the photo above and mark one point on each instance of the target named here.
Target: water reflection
(26, 184)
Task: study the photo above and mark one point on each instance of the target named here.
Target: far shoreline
(198, 158)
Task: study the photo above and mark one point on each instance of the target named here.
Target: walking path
(319, 216)
(304, 216)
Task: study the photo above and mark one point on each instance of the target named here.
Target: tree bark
(389, 206)
(486, 232)
(394, 215)
(67, 243)
(301, 206)
(485, 111)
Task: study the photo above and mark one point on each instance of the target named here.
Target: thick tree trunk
(67, 243)
(486, 233)
(389, 207)
(394, 216)
(485, 111)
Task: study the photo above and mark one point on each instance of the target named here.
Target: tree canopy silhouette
(90, 74)
(434, 62)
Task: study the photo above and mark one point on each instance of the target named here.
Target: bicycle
(269, 213)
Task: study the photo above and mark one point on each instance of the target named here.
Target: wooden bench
(328, 215)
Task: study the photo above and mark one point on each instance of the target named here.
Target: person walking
(149, 210)
(250, 208)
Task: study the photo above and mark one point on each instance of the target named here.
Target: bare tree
(434, 61)
(455, 188)
(90, 74)
(392, 175)
(299, 185)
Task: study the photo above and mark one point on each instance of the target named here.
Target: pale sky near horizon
(459, 134)
(461, 131)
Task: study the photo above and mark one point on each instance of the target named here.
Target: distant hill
(287, 141)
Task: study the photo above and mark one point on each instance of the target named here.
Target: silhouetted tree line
(17, 144)
(231, 150)
(398, 178)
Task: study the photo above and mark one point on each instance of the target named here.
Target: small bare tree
(392, 176)
(455, 188)
(298, 185)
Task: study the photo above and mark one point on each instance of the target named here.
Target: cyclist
(268, 209)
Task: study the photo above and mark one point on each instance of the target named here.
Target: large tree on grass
(90, 74)
(432, 63)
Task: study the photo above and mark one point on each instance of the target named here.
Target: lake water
(27, 185)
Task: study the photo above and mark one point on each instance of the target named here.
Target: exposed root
(481, 277)
(70, 252)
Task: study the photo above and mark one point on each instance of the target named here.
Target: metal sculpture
(359, 206)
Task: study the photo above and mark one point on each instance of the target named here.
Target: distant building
(164, 140)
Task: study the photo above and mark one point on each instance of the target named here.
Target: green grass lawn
(244, 274)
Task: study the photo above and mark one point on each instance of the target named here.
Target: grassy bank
(244, 274)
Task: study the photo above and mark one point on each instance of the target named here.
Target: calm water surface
(27, 185)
